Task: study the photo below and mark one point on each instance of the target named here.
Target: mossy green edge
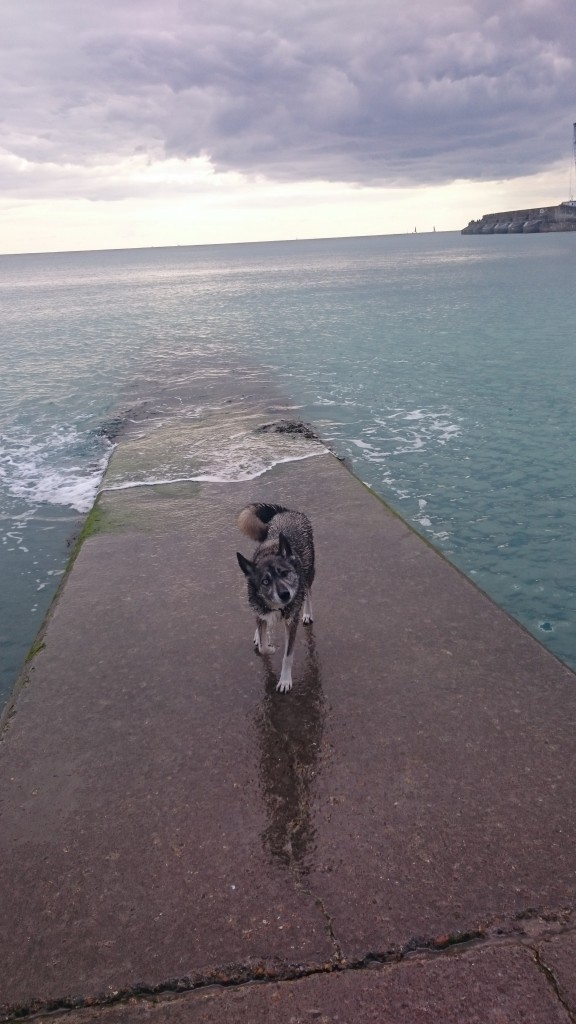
(97, 521)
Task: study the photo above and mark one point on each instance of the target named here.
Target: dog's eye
(266, 581)
(282, 573)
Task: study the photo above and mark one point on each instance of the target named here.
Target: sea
(442, 366)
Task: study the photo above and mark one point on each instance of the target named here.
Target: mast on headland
(572, 201)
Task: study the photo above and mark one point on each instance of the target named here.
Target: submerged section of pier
(170, 822)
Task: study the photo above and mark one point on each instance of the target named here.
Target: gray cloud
(375, 92)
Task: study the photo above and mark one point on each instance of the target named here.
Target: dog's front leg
(262, 641)
(285, 681)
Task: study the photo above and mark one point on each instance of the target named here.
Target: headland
(517, 222)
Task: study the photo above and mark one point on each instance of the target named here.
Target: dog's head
(273, 578)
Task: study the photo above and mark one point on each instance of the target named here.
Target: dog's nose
(284, 596)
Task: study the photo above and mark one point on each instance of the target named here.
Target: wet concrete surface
(168, 818)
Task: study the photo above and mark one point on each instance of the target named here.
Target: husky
(280, 575)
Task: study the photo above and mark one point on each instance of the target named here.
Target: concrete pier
(394, 840)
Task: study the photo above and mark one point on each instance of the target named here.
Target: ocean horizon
(441, 366)
(216, 245)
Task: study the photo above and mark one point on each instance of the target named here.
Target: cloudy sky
(163, 122)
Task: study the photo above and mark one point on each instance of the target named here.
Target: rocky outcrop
(516, 222)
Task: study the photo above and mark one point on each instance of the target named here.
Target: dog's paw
(307, 620)
(284, 685)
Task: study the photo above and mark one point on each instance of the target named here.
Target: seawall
(515, 222)
(398, 831)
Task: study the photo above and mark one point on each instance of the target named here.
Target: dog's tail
(254, 519)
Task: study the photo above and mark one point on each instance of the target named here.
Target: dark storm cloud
(375, 92)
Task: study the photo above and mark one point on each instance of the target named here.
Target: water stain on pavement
(289, 731)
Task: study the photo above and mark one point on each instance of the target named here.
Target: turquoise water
(443, 366)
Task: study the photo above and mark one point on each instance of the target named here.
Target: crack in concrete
(275, 970)
(553, 982)
(338, 955)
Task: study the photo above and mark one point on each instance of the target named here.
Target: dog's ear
(284, 549)
(246, 566)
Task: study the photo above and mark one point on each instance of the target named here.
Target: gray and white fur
(279, 576)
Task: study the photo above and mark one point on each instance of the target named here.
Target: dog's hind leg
(307, 616)
(285, 681)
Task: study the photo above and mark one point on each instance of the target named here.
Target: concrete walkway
(393, 841)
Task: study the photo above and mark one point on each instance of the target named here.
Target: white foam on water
(57, 469)
(399, 433)
(362, 444)
(66, 466)
(218, 449)
(415, 430)
(64, 488)
(238, 477)
(385, 447)
(226, 478)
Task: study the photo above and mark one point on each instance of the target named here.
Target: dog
(279, 577)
